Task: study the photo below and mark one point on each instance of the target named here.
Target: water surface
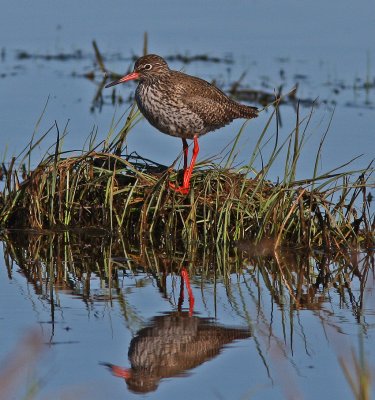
(264, 324)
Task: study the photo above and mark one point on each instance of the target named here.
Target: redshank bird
(181, 105)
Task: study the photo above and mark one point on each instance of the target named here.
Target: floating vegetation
(76, 55)
(100, 188)
(187, 59)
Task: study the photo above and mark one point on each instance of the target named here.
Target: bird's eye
(147, 67)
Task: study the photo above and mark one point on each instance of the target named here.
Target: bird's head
(146, 68)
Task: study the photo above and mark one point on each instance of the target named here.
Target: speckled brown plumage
(182, 105)
(171, 345)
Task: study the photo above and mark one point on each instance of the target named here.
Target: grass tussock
(101, 188)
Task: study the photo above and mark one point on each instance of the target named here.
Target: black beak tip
(110, 84)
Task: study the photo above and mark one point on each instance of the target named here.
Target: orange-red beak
(129, 77)
(118, 371)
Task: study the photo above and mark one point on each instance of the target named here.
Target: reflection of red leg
(185, 277)
(184, 189)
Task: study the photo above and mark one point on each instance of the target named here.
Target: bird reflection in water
(171, 345)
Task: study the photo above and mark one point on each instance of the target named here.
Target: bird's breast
(165, 109)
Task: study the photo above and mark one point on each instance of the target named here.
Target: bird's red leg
(185, 277)
(189, 171)
(184, 189)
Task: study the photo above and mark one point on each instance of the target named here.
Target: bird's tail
(247, 111)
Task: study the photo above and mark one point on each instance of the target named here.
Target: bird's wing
(213, 111)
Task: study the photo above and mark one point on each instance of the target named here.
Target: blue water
(290, 353)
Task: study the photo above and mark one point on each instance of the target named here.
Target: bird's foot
(179, 189)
